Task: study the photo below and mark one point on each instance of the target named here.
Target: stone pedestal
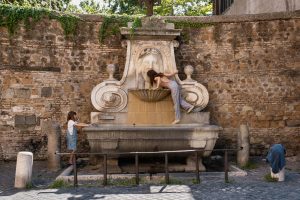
(243, 141)
(23, 169)
(54, 144)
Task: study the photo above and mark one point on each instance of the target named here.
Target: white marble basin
(150, 95)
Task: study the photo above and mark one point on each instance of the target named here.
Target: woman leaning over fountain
(163, 80)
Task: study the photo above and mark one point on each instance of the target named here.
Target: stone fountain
(133, 117)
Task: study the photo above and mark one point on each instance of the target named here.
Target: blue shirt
(276, 157)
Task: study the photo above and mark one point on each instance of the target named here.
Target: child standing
(72, 130)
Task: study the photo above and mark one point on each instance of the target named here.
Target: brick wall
(250, 65)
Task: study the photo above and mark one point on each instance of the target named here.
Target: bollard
(54, 144)
(243, 142)
(23, 169)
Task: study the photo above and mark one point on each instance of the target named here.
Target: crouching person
(276, 160)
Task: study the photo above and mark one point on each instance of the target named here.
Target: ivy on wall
(189, 24)
(111, 25)
(11, 16)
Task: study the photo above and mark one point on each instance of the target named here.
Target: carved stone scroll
(196, 94)
(108, 98)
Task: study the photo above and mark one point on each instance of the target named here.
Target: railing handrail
(146, 152)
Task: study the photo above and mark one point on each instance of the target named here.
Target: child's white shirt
(71, 127)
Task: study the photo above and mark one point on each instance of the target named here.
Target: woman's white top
(71, 127)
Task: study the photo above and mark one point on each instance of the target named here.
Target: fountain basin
(143, 138)
(150, 95)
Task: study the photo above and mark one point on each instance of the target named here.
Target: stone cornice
(216, 19)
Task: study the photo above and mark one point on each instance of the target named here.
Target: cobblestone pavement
(251, 187)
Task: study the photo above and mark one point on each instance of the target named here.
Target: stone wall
(250, 65)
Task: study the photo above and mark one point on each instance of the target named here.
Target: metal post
(197, 167)
(137, 169)
(226, 166)
(104, 169)
(166, 169)
(75, 170)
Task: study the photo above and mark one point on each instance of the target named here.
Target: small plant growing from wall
(59, 184)
(111, 25)
(269, 178)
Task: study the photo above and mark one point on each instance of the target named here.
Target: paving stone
(250, 187)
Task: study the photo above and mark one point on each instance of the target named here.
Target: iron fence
(166, 157)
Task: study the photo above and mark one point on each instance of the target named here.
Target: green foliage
(249, 166)
(189, 24)
(29, 186)
(59, 5)
(68, 22)
(186, 25)
(269, 178)
(59, 184)
(90, 6)
(73, 9)
(161, 7)
(194, 181)
(136, 23)
(121, 182)
(11, 16)
(183, 7)
(111, 25)
(129, 7)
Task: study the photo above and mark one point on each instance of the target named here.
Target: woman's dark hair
(152, 75)
(71, 116)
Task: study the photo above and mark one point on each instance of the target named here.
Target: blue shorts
(72, 141)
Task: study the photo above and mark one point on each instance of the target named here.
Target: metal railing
(136, 155)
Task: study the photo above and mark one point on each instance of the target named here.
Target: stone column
(243, 141)
(53, 131)
(23, 169)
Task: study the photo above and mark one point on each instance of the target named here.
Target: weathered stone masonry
(250, 65)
